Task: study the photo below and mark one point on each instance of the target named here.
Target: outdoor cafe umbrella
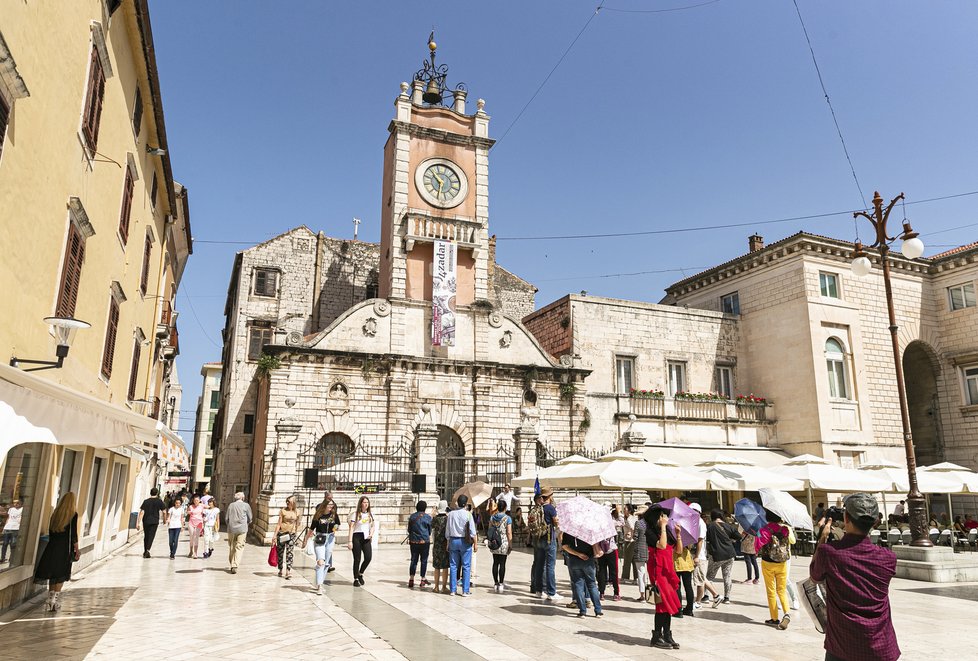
(546, 475)
(792, 512)
(732, 474)
(949, 471)
(818, 473)
(750, 515)
(626, 470)
(927, 482)
(687, 518)
(477, 492)
(359, 468)
(585, 519)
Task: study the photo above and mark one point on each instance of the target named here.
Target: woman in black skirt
(62, 549)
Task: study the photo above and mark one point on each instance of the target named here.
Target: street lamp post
(912, 248)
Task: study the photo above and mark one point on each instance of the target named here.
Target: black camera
(835, 513)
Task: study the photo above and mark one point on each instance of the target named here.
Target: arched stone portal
(449, 462)
(920, 370)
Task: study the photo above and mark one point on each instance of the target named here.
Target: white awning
(73, 418)
(685, 455)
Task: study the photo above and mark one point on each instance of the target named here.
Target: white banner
(443, 289)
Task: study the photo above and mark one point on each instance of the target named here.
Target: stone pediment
(381, 326)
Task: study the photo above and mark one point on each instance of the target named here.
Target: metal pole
(915, 500)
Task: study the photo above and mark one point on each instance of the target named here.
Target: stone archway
(921, 368)
(449, 462)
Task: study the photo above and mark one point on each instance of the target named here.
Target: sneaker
(599, 615)
(697, 606)
(505, 585)
(319, 589)
(411, 583)
(754, 581)
(617, 597)
(581, 614)
(679, 615)
(234, 570)
(502, 588)
(356, 583)
(466, 594)
(795, 605)
(145, 554)
(705, 599)
(726, 600)
(172, 556)
(772, 623)
(360, 578)
(785, 621)
(330, 569)
(716, 601)
(423, 584)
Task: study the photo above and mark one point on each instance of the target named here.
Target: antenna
(356, 226)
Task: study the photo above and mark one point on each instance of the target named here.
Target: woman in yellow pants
(774, 549)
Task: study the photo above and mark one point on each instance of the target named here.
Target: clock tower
(435, 189)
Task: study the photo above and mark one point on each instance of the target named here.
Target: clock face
(441, 183)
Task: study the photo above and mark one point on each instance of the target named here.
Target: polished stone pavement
(134, 608)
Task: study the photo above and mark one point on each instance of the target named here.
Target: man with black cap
(857, 576)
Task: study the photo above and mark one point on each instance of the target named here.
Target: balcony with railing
(720, 410)
(423, 227)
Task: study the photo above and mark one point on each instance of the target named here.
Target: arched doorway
(920, 367)
(449, 462)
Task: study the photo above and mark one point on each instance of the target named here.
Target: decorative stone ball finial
(404, 88)
(432, 45)
(480, 104)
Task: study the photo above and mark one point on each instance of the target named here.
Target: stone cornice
(799, 245)
(440, 135)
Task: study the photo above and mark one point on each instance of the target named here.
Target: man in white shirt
(239, 519)
(900, 508)
(11, 528)
(702, 563)
(509, 497)
(460, 531)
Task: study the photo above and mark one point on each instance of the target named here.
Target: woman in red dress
(662, 574)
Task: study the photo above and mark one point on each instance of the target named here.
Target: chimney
(755, 242)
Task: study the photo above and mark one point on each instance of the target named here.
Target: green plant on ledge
(585, 421)
(567, 390)
(701, 396)
(266, 363)
(646, 394)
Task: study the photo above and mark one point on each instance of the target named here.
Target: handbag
(284, 538)
(652, 595)
(310, 549)
(273, 557)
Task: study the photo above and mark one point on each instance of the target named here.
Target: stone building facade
(329, 364)
(817, 337)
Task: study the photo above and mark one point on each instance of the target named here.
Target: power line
(190, 302)
(835, 119)
(527, 104)
(660, 11)
(623, 275)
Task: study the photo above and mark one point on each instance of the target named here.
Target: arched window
(332, 449)
(835, 363)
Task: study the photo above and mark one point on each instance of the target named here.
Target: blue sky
(707, 116)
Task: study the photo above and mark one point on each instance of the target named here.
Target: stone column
(425, 445)
(526, 437)
(271, 497)
(631, 438)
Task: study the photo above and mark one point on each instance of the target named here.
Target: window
(153, 191)
(215, 399)
(19, 481)
(962, 296)
(249, 423)
(724, 381)
(71, 272)
(835, 362)
(94, 493)
(266, 282)
(624, 369)
(116, 489)
(137, 112)
(677, 377)
(210, 421)
(93, 100)
(147, 255)
(111, 330)
(208, 466)
(971, 385)
(134, 368)
(730, 303)
(258, 337)
(333, 448)
(4, 118)
(68, 472)
(849, 459)
(126, 210)
(829, 284)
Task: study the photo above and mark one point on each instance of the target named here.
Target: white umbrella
(546, 475)
(968, 479)
(733, 474)
(618, 472)
(16, 429)
(791, 511)
(826, 477)
(896, 475)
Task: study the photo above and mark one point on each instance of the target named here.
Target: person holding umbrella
(662, 574)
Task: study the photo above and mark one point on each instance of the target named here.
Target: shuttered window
(144, 276)
(4, 118)
(153, 191)
(258, 337)
(137, 112)
(126, 207)
(134, 369)
(266, 282)
(111, 331)
(93, 101)
(70, 273)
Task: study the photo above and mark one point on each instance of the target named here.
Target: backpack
(494, 538)
(536, 523)
(777, 549)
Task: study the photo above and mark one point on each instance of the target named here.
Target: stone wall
(551, 325)
(349, 272)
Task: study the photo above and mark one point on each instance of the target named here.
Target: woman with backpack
(774, 548)
(499, 539)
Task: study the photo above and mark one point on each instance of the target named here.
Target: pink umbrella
(585, 519)
(687, 518)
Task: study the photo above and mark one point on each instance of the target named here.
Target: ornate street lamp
(912, 248)
(64, 331)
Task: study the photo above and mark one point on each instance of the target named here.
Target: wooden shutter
(111, 330)
(4, 118)
(70, 272)
(266, 282)
(153, 191)
(126, 207)
(93, 100)
(134, 369)
(147, 253)
(137, 112)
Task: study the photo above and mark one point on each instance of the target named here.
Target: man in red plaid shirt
(857, 575)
